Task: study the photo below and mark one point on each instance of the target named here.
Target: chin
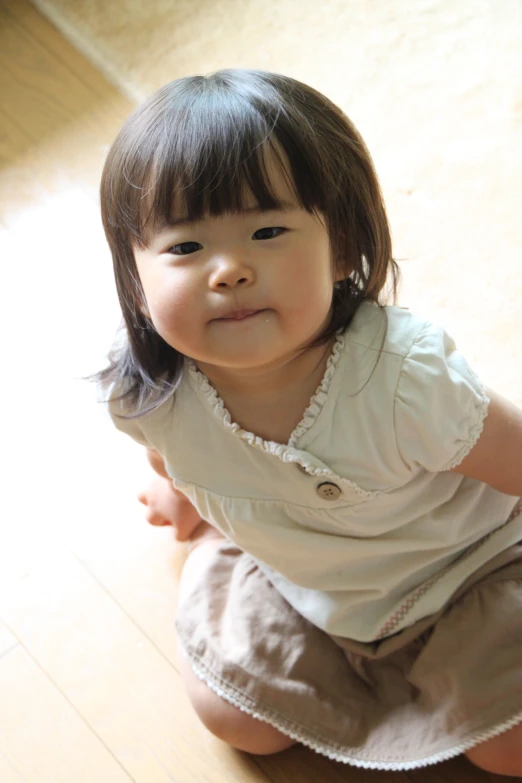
(250, 361)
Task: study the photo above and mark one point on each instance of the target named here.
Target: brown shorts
(423, 695)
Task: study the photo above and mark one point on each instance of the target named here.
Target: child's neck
(271, 404)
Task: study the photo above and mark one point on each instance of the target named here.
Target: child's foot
(167, 506)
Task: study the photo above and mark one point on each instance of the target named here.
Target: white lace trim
(318, 400)
(310, 415)
(290, 452)
(320, 746)
(482, 410)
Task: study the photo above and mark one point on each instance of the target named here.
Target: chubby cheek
(172, 313)
(310, 296)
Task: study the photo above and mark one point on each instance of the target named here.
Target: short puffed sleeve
(440, 404)
(117, 411)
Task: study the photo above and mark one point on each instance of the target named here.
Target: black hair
(199, 146)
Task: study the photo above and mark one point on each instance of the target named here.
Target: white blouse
(357, 521)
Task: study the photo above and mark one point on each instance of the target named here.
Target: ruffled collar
(310, 415)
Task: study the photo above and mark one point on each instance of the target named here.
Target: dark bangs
(200, 146)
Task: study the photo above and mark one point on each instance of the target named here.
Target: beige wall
(435, 87)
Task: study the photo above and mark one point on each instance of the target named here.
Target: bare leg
(501, 755)
(166, 506)
(221, 718)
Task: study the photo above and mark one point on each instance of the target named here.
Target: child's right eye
(184, 248)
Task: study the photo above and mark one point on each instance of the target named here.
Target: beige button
(302, 469)
(329, 491)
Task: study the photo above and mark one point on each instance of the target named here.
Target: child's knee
(501, 755)
(237, 728)
(229, 723)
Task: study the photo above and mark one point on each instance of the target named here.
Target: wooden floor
(89, 689)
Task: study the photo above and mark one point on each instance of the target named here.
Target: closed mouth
(239, 315)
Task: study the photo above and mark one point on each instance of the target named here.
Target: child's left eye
(269, 233)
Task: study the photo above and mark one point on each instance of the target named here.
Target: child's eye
(184, 248)
(269, 233)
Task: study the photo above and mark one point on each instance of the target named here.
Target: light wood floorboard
(35, 716)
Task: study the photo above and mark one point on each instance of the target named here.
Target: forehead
(267, 187)
(180, 220)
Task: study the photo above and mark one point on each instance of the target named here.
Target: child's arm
(496, 458)
(166, 505)
(156, 462)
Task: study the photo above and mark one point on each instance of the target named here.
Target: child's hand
(167, 506)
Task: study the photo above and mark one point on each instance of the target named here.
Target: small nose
(230, 273)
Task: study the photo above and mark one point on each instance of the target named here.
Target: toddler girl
(350, 489)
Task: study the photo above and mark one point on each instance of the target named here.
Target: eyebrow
(283, 206)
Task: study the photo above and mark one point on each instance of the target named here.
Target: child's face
(202, 280)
